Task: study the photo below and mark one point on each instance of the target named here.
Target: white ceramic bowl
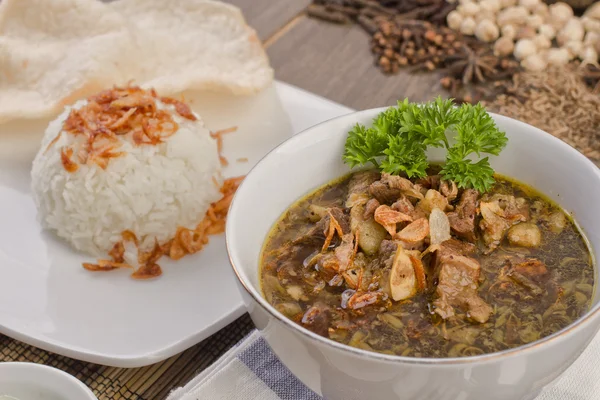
(28, 381)
(313, 158)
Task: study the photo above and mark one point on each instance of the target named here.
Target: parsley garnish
(398, 140)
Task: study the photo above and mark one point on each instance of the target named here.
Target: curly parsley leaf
(405, 156)
(468, 174)
(477, 132)
(364, 145)
(399, 137)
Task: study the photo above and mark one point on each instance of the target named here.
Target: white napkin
(250, 371)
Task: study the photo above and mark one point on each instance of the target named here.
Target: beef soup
(419, 267)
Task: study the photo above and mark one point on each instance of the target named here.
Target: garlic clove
(509, 31)
(571, 32)
(524, 48)
(591, 24)
(487, 31)
(542, 42)
(542, 10)
(589, 56)
(593, 11)
(560, 13)
(592, 39)
(485, 14)
(525, 32)
(513, 15)
(468, 9)
(547, 30)
(534, 62)
(503, 47)
(575, 48)
(454, 20)
(491, 5)
(467, 27)
(529, 4)
(534, 21)
(507, 3)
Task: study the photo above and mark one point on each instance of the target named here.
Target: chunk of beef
(530, 274)
(404, 205)
(390, 187)
(459, 247)
(370, 208)
(499, 214)
(515, 209)
(458, 280)
(316, 235)
(387, 248)
(448, 189)
(342, 218)
(384, 193)
(358, 187)
(406, 187)
(462, 220)
(430, 182)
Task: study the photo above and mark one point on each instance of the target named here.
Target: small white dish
(48, 300)
(28, 381)
(340, 372)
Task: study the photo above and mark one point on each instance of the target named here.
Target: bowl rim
(31, 370)
(578, 324)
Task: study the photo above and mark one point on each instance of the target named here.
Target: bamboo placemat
(148, 383)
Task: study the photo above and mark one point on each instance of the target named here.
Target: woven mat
(148, 383)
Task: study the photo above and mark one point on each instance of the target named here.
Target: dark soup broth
(422, 268)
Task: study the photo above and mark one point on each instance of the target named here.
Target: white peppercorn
(454, 20)
(548, 31)
(509, 31)
(542, 42)
(468, 9)
(487, 31)
(467, 27)
(534, 21)
(503, 47)
(524, 48)
(513, 15)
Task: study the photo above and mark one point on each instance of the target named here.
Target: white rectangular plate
(48, 300)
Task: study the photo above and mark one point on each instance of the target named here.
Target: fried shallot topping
(115, 112)
(218, 136)
(186, 241)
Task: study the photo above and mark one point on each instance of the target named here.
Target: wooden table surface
(333, 61)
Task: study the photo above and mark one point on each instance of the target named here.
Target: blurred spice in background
(520, 57)
(557, 101)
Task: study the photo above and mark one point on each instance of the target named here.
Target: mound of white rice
(151, 190)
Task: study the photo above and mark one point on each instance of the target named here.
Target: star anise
(472, 65)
